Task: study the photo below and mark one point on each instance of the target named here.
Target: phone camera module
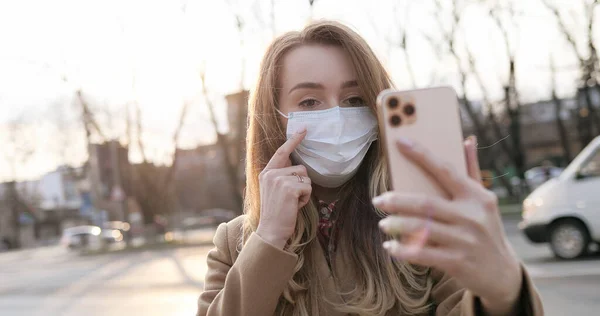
(409, 109)
(395, 120)
(393, 103)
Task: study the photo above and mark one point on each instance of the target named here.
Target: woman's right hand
(284, 189)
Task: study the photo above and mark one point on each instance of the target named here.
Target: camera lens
(393, 103)
(395, 120)
(409, 109)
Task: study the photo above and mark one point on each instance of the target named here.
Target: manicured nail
(473, 139)
(378, 200)
(405, 142)
(384, 224)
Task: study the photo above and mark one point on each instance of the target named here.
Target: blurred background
(122, 128)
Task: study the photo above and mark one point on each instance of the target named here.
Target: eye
(355, 101)
(309, 103)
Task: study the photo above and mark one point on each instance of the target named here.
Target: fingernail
(384, 224)
(301, 130)
(387, 245)
(405, 142)
(473, 140)
(378, 200)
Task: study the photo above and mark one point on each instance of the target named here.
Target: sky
(151, 52)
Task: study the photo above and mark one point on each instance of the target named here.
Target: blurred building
(539, 130)
(110, 178)
(237, 116)
(16, 212)
(58, 189)
(60, 204)
(47, 205)
(201, 177)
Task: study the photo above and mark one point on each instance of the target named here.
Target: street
(567, 287)
(50, 281)
(47, 282)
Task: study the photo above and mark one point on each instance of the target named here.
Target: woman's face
(317, 77)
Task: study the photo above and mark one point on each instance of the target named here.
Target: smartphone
(429, 117)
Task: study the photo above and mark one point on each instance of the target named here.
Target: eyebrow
(315, 85)
(307, 85)
(350, 84)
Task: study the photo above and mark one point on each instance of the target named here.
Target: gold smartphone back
(429, 117)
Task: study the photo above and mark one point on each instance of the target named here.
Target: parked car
(538, 175)
(210, 217)
(79, 237)
(121, 226)
(118, 230)
(111, 236)
(565, 211)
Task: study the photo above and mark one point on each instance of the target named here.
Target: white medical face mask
(335, 144)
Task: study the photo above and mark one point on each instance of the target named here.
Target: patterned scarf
(327, 229)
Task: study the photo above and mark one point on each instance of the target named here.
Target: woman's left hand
(462, 236)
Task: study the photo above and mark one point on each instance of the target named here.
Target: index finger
(282, 155)
(472, 160)
(446, 176)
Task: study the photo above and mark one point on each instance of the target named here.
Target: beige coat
(250, 282)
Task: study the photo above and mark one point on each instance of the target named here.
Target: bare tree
(398, 39)
(139, 131)
(471, 69)
(19, 146)
(231, 166)
(449, 37)
(265, 23)
(558, 109)
(153, 185)
(92, 131)
(240, 25)
(18, 149)
(511, 95)
(588, 120)
(90, 124)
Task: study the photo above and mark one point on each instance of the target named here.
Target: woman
(314, 239)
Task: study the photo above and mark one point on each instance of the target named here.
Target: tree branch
(564, 30)
(175, 140)
(222, 142)
(88, 118)
(138, 130)
(449, 38)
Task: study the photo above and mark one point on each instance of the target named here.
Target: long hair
(382, 284)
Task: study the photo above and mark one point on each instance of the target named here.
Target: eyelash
(362, 101)
(304, 103)
(316, 102)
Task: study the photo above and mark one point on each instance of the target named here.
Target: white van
(565, 211)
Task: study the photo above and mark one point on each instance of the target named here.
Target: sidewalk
(512, 211)
(171, 239)
(40, 252)
(201, 236)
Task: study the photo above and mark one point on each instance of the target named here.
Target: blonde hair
(382, 284)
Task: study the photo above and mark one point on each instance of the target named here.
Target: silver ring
(300, 179)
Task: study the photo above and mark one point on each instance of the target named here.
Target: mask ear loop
(286, 116)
